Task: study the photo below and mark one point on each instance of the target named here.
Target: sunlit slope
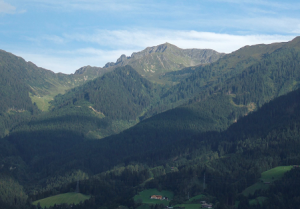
(153, 62)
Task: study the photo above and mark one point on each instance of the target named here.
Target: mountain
(231, 160)
(99, 108)
(123, 95)
(90, 72)
(242, 82)
(26, 89)
(154, 62)
(228, 121)
(268, 70)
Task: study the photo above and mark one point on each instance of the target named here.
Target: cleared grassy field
(42, 102)
(275, 173)
(267, 176)
(198, 197)
(69, 198)
(144, 196)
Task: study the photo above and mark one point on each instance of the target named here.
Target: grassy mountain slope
(19, 77)
(153, 62)
(25, 88)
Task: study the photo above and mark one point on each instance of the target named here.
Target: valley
(192, 125)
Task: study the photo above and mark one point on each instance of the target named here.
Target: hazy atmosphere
(65, 35)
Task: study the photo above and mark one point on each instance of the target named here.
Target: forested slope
(274, 67)
(231, 160)
(222, 124)
(121, 94)
(125, 95)
(26, 89)
(234, 159)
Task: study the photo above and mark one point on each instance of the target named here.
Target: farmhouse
(157, 197)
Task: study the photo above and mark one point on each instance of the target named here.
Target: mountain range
(165, 114)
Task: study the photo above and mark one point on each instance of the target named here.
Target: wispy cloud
(269, 24)
(270, 4)
(128, 8)
(133, 39)
(89, 5)
(6, 8)
(109, 45)
(54, 39)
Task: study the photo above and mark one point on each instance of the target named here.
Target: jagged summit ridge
(153, 62)
(163, 48)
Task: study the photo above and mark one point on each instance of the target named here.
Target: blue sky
(65, 35)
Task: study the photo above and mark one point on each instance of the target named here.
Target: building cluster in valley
(158, 197)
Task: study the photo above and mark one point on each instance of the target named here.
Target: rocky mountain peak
(82, 70)
(122, 58)
(137, 55)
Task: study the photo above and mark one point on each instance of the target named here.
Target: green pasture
(267, 176)
(144, 196)
(42, 102)
(275, 173)
(198, 197)
(189, 206)
(69, 198)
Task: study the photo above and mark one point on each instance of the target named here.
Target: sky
(64, 35)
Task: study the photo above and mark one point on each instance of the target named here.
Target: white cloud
(126, 42)
(110, 45)
(139, 39)
(6, 8)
